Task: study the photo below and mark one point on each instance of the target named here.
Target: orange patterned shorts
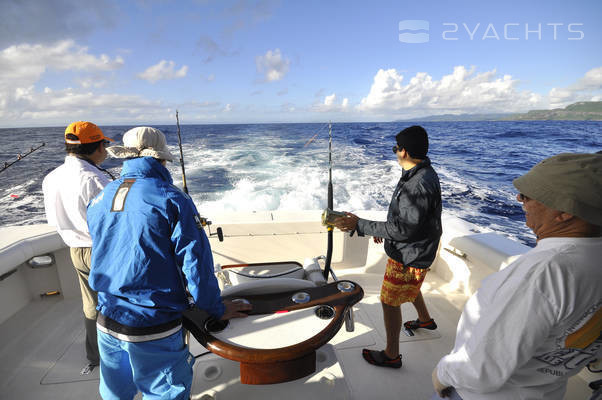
(401, 284)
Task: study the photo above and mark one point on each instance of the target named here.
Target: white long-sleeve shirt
(67, 191)
(530, 326)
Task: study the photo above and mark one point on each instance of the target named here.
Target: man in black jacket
(411, 233)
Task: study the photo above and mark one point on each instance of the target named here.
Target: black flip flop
(416, 324)
(380, 359)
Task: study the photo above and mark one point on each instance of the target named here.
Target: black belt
(137, 333)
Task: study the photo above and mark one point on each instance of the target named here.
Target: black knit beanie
(415, 140)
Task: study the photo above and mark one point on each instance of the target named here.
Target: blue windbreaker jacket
(147, 248)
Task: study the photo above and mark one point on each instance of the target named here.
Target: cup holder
(324, 312)
(213, 325)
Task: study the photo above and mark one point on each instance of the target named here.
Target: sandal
(413, 325)
(380, 359)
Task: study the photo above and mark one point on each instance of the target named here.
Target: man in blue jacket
(148, 256)
(411, 233)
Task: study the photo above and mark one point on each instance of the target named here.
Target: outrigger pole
(330, 228)
(185, 187)
(22, 156)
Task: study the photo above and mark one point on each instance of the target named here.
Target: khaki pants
(80, 256)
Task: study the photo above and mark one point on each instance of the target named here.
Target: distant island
(581, 111)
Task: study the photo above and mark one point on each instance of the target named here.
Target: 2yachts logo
(418, 31)
(413, 25)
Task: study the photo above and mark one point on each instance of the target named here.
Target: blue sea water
(259, 167)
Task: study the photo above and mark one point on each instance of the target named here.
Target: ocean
(263, 167)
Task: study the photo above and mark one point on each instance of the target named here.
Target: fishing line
(201, 221)
(315, 136)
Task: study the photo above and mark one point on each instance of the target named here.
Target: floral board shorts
(401, 284)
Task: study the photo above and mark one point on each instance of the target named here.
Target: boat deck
(42, 354)
(42, 338)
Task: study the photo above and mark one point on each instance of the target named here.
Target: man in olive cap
(538, 321)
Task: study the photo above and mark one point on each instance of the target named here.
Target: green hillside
(586, 106)
(581, 111)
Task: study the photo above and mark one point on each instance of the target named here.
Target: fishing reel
(329, 215)
(203, 222)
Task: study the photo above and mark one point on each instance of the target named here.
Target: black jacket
(413, 226)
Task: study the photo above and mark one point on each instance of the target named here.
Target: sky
(254, 61)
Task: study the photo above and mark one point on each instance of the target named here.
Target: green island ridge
(580, 111)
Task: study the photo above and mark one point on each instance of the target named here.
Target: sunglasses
(396, 149)
(522, 197)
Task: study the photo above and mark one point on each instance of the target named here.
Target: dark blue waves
(476, 161)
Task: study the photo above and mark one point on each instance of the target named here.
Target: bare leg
(420, 306)
(392, 317)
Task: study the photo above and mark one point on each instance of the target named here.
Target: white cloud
(23, 65)
(272, 65)
(91, 82)
(162, 71)
(24, 104)
(591, 81)
(329, 104)
(58, 107)
(329, 100)
(583, 90)
(463, 91)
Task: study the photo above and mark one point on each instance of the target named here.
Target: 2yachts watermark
(418, 31)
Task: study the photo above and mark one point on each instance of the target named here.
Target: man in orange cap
(67, 191)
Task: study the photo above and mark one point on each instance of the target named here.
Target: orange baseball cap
(82, 132)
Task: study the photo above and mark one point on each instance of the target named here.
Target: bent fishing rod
(201, 220)
(21, 156)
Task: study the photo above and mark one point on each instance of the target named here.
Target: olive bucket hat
(569, 182)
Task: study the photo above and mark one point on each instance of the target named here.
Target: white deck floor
(42, 352)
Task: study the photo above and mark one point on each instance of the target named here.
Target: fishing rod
(330, 205)
(181, 155)
(329, 214)
(21, 156)
(201, 220)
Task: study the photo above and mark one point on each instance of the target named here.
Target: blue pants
(160, 369)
